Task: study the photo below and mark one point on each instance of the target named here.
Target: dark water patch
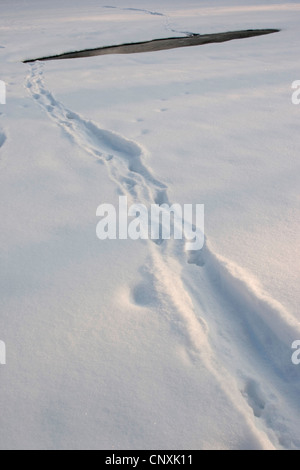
(160, 44)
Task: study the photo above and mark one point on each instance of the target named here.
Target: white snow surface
(129, 344)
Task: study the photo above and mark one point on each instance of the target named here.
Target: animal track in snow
(2, 139)
(124, 158)
(141, 10)
(168, 25)
(266, 321)
(144, 293)
(254, 397)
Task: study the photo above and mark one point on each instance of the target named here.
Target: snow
(128, 344)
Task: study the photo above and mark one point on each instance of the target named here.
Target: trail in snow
(168, 24)
(149, 12)
(250, 334)
(237, 300)
(123, 158)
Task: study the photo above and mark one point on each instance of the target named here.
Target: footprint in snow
(254, 397)
(2, 139)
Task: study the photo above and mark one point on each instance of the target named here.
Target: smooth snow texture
(123, 344)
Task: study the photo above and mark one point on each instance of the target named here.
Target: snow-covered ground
(128, 344)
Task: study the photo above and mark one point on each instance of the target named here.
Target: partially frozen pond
(160, 44)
